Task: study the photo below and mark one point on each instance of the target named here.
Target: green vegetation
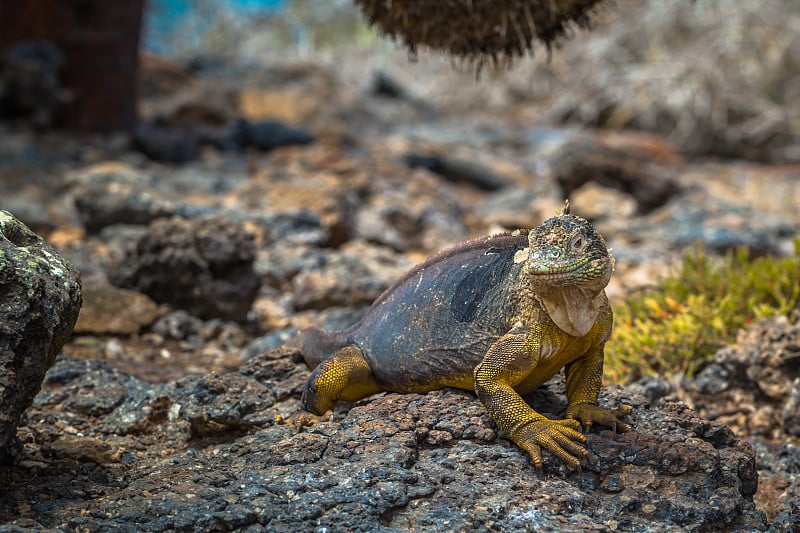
(677, 326)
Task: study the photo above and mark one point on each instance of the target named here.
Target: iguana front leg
(508, 361)
(584, 378)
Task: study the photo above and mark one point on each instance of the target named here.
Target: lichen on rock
(41, 297)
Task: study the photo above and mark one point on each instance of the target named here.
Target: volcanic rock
(41, 297)
(203, 265)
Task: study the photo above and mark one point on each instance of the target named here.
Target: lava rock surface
(216, 452)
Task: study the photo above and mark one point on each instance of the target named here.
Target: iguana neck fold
(572, 309)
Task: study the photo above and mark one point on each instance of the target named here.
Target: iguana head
(567, 250)
(568, 266)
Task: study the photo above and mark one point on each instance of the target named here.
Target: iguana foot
(589, 414)
(300, 420)
(559, 437)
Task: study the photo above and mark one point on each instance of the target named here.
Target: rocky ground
(254, 202)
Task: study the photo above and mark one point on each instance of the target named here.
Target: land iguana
(497, 315)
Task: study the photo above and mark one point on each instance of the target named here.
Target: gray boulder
(40, 297)
(203, 265)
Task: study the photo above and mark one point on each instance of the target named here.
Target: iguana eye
(577, 243)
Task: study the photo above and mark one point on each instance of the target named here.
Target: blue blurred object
(164, 19)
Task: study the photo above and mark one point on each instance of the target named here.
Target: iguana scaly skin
(497, 315)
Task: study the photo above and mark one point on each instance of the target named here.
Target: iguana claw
(588, 414)
(559, 437)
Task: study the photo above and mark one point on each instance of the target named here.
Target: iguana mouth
(558, 270)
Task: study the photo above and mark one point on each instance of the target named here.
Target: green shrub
(677, 326)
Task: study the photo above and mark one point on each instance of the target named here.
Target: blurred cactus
(478, 29)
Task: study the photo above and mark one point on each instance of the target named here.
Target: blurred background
(667, 124)
(715, 78)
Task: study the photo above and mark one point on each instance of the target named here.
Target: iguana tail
(317, 345)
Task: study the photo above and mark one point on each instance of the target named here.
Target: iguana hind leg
(345, 376)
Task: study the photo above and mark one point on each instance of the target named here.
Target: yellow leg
(506, 364)
(584, 378)
(345, 376)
